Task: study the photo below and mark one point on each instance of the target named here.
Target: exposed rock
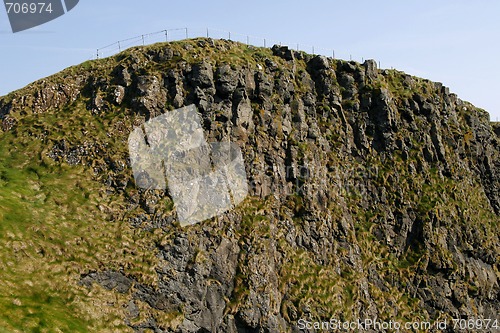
(242, 110)
(496, 128)
(319, 63)
(283, 52)
(119, 94)
(227, 80)
(109, 280)
(151, 96)
(371, 69)
(164, 54)
(202, 75)
(122, 76)
(264, 86)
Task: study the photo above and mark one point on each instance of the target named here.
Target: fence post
(97, 54)
(333, 53)
(142, 40)
(186, 33)
(264, 42)
(248, 41)
(297, 47)
(207, 33)
(313, 51)
(119, 47)
(166, 35)
(229, 35)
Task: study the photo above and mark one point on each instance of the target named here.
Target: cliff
(373, 195)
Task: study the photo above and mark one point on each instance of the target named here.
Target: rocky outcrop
(374, 194)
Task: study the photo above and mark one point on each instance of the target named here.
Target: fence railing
(144, 39)
(168, 35)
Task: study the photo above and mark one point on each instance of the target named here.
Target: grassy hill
(374, 194)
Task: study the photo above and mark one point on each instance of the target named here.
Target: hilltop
(374, 195)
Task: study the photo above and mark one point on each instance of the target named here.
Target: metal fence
(168, 35)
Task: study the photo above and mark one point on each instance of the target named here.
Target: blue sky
(454, 42)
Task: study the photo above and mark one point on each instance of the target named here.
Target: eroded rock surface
(373, 194)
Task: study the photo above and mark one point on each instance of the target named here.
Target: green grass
(52, 229)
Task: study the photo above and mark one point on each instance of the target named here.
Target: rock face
(374, 194)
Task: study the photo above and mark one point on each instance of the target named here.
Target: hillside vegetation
(373, 195)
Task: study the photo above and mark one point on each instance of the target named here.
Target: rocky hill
(373, 195)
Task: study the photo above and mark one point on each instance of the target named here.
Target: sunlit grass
(51, 231)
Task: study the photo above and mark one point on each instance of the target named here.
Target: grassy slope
(55, 225)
